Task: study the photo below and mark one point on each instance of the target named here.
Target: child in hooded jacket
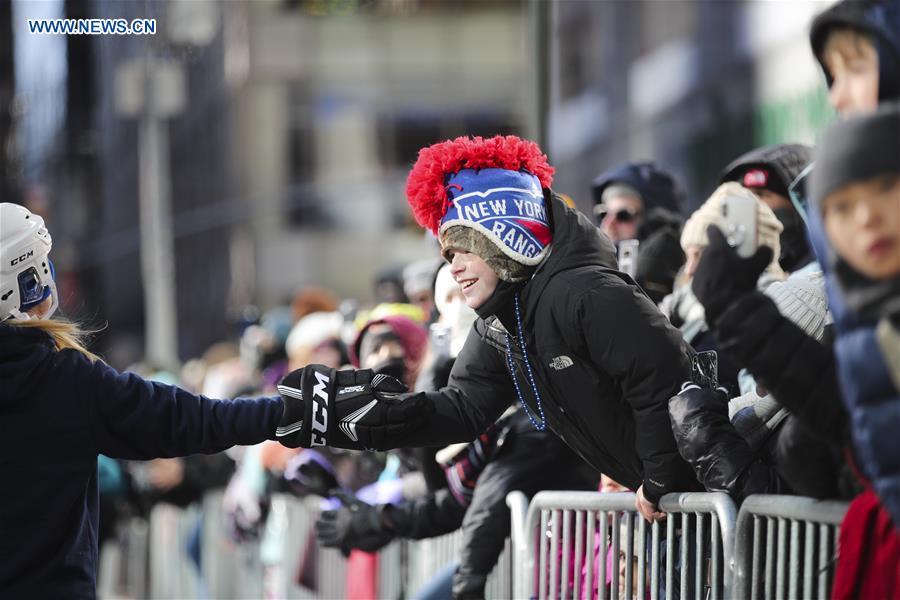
(855, 224)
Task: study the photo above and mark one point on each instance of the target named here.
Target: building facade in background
(691, 84)
(287, 160)
(288, 156)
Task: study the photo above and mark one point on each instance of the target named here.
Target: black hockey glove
(723, 277)
(355, 525)
(354, 409)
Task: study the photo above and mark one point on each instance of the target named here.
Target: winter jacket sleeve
(133, 418)
(478, 392)
(796, 369)
(629, 339)
(720, 457)
(427, 516)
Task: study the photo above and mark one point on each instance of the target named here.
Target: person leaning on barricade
(61, 407)
(797, 370)
(586, 353)
(761, 448)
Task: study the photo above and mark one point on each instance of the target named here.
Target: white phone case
(739, 217)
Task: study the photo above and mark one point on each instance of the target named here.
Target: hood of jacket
(658, 189)
(786, 160)
(23, 350)
(880, 19)
(576, 243)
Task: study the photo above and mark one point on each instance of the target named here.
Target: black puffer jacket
(604, 359)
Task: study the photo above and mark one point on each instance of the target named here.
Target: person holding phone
(750, 444)
(560, 331)
(768, 172)
(641, 202)
(746, 212)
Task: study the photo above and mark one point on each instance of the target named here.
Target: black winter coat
(57, 412)
(605, 362)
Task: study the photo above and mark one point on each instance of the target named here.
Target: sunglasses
(623, 215)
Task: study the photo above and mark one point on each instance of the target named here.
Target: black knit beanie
(857, 149)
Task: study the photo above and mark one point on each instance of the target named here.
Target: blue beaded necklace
(541, 424)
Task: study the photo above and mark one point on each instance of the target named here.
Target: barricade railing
(785, 547)
(592, 545)
(150, 558)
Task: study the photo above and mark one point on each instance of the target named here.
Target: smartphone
(628, 257)
(705, 369)
(739, 219)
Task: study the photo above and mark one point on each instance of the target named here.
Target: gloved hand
(722, 276)
(311, 473)
(354, 409)
(354, 525)
(706, 438)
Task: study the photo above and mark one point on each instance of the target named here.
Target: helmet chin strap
(15, 313)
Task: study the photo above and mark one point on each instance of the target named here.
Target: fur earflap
(426, 184)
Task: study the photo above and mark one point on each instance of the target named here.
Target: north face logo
(561, 362)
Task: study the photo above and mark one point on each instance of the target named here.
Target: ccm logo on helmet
(320, 411)
(16, 261)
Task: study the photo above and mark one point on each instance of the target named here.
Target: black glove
(354, 525)
(354, 409)
(317, 479)
(722, 276)
(722, 460)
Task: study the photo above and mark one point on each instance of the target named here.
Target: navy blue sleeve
(133, 418)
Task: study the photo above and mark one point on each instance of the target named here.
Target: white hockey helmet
(26, 274)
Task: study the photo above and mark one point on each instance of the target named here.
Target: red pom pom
(426, 184)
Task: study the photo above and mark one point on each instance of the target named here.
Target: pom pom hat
(493, 186)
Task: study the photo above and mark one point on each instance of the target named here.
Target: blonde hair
(66, 335)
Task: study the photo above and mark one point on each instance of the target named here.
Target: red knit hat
(426, 186)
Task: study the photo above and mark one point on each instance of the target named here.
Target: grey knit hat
(801, 298)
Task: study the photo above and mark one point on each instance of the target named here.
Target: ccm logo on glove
(320, 410)
(347, 409)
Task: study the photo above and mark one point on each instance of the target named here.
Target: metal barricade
(785, 547)
(582, 544)
(149, 559)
